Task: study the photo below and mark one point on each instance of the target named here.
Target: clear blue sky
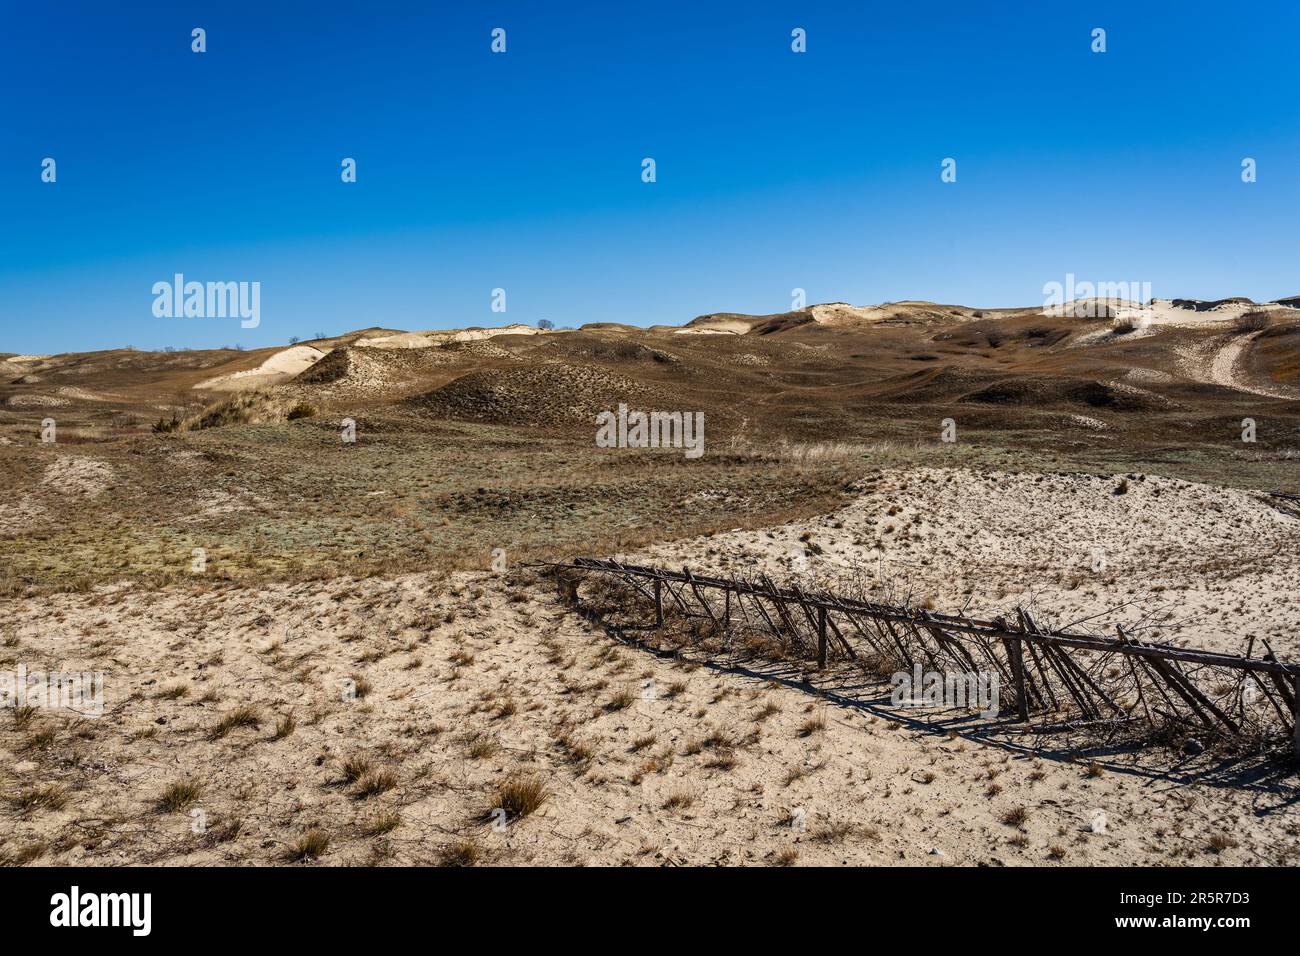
(523, 171)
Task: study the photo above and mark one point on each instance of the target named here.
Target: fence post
(659, 603)
(821, 638)
(1016, 653)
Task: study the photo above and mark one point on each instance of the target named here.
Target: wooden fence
(1057, 678)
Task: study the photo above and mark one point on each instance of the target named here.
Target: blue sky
(522, 170)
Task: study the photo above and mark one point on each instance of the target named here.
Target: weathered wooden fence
(1058, 678)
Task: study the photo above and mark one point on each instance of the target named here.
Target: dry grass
(460, 853)
(254, 407)
(243, 716)
(40, 740)
(520, 796)
(375, 783)
(48, 796)
(1220, 842)
(481, 746)
(179, 795)
(1256, 320)
(1015, 817)
(382, 823)
(25, 854)
(679, 800)
(354, 768)
(312, 845)
(285, 726)
(621, 700)
(813, 725)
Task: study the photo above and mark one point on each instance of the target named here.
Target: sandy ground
(279, 368)
(1210, 566)
(65, 480)
(434, 691)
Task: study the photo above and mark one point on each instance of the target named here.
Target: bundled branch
(1055, 678)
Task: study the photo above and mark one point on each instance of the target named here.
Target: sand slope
(474, 681)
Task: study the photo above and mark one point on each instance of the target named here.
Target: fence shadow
(1119, 747)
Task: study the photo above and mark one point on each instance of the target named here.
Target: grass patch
(520, 796)
(245, 716)
(48, 796)
(179, 795)
(310, 846)
(460, 853)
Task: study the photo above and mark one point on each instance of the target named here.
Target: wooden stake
(1016, 653)
(821, 638)
(1295, 717)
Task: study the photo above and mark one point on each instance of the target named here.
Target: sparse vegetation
(312, 845)
(383, 823)
(1256, 320)
(179, 795)
(1015, 817)
(679, 800)
(520, 796)
(285, 726)
(460, 853)
(354, 768)
(47, 796)
(325, 540)
(813, 725)
(255, 407)
(375, 783)
(242, 716)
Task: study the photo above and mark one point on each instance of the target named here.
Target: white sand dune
(278, 368)
(431, 338)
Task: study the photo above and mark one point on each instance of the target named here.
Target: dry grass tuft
(813, 725)
(310, 846)
(1015, 817)
(1220, 842)
(679, 800)
(461, 853)
(375, 783)
(245, 716)
(354, 768)
(179, 795)
(382, 823)
(481, 746)
(520, 796)
(622, 700)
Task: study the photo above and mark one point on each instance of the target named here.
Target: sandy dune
(1211, 566)
(277, 369)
